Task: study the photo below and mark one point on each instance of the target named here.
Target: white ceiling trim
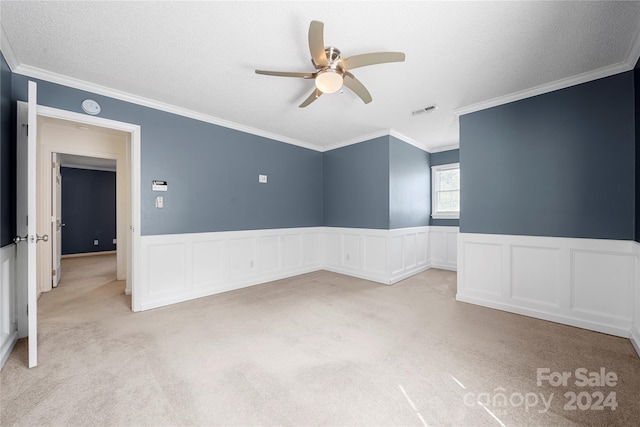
(632, 58)
(38, 73)
(445, 148)
(408, 140)
(356, 140)
(546, 88)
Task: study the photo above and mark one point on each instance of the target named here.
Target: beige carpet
(318, 349)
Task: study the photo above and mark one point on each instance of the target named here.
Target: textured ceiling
(201, 57)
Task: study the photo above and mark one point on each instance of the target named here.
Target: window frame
(435, 170)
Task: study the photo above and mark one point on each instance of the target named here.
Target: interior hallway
(317, 349)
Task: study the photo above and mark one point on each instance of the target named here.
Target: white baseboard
(635, 341)
(588, 283)
(85, 254)
(539, 314)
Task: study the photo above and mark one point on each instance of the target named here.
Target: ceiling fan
(333, 71)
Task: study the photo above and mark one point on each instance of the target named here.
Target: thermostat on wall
(159, 185)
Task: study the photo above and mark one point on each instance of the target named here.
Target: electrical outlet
(95, 243)
(262, 179)
(159, 202)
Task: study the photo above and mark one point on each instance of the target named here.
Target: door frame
(132, 163)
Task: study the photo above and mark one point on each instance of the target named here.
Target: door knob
(44, 238)
(19, 239)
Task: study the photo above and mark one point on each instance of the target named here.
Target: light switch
(262, 179)
(159, 202)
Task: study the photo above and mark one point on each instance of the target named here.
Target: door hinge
(26, 126)
(53, 165)
(27, 309)
(53, 272)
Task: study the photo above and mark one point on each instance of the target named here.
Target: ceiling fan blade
(371, 59)
(316, 43)
(314, 95)
(357, 87)
(286, 74)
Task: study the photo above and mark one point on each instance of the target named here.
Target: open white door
(26, 216)
(56, 219)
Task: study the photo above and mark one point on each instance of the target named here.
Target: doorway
(72, 134)
(83, 215)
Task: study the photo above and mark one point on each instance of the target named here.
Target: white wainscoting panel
(587, 283)
(383, 256)
(8, 319)
(443, 250)
(635, 330)
(181, 267)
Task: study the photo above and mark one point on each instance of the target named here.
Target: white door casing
(128, 169)
(56, 219)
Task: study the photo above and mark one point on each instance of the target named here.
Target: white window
(446, 191)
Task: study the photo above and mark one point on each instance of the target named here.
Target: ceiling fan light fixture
(329, 81)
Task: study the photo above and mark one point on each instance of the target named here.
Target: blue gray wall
(444, 158)
(559, 164)
(88, 210)
(7, 157)
(212, 171)
(356, 185)
(409, 185)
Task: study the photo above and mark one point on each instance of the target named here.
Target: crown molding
(356, 140)
(631, 58)
(408, 140)
(445, 148)
(546, 88)
(41, 74)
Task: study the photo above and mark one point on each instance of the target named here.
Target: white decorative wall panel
(292, 249)
(483, 265)
(410, 251)
(171, 278)
(312, 249)
(375, 258)
(8, 327)
(351, 251)
(207, 262)
(443, 251)
(270, 250)
(587, 283)
(602, 283)
(242, 256)
(180, 267)
(333, 248)
(185, 266)
(396, 255)
(535, 276)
